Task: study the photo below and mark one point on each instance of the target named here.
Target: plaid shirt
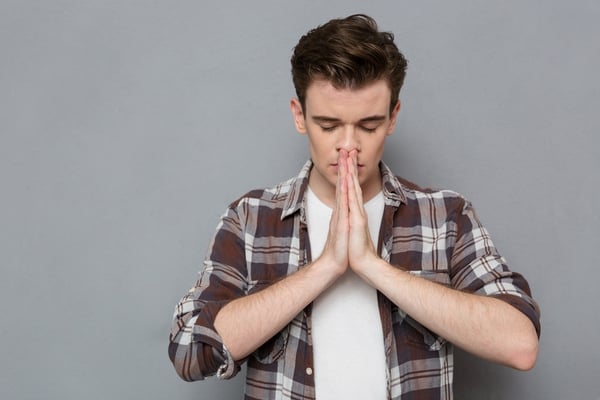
(262, 238)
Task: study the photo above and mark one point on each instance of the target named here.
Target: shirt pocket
(273, 349)
(416, 335)
(419, 336)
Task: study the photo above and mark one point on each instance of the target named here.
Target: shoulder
(273, 197)
(442, 202)
(399, 190)
(414, 191)
(279, 201)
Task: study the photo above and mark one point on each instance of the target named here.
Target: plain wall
(126, 127)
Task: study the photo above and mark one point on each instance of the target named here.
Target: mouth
(335, 165)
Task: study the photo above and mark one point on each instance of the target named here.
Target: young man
(346, 281)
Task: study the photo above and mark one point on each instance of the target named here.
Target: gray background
(126, 127)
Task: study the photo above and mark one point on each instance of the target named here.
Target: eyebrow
(372, 118)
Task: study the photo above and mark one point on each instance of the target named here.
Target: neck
(370, 191)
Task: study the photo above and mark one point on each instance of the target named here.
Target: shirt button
(309, 371)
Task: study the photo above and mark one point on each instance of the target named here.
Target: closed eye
(368, 129)
(328, 128)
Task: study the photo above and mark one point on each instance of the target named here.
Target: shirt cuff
(227, 369)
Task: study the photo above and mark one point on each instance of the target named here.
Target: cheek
(320, 146)
(374, 148)
(314, 149)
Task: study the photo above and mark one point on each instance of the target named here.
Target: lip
(335, 165)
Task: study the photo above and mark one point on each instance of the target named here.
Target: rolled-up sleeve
(195, 348)
(478, 268)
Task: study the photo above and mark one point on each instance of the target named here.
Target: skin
(356, 121)
(346, 130)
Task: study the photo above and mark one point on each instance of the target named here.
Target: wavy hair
(350, 53)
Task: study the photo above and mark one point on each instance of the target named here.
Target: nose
(348, 139)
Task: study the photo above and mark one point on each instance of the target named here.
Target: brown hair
(349, 53)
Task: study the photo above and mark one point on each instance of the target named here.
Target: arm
(248, 322)
(216, 325)
(485, 326)
(195, 348)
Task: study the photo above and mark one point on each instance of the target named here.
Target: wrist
(327, 268)
(369, 266)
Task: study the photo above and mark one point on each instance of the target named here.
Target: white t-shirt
(349, 355)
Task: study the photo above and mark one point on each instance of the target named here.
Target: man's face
(349, 119)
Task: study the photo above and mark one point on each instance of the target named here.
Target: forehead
(325, 99)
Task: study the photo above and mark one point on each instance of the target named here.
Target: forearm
(248, 322)
(484, 326)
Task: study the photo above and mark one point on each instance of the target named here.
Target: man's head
(350, 53)
(347, 76)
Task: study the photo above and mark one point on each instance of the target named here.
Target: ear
(298, 115)
(393, 118)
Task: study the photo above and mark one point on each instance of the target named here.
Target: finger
(355, 190)
(354, 156)
(343, 173)
(354, 205)
(357, 181)
(338, 187)
(340, 212)
(359, 236)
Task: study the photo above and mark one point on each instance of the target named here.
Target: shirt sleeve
(477, 267)
(195, 348)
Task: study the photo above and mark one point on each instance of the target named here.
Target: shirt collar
(392, 189)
